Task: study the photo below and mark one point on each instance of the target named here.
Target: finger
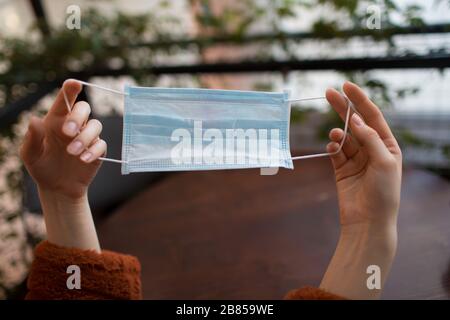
(59, 108)
(350, 146)
(76, 118)
(89, 133)
(368, 110)
(337, 101)
(98, 149)
(32, 144)
(338, 159)
(370, 140)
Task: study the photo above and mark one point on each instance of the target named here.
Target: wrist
(68, 220)
(60, 203)
(381, 237)
(360, 247)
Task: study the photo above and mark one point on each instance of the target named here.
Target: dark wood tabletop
(238, 235)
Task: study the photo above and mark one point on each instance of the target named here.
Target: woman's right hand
(61, 153)
(61, 150)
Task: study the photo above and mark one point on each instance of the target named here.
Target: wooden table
(238, 235)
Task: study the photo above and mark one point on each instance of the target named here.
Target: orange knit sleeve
(105, 275)
(310, 293)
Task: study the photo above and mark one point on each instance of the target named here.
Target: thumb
(369, 139)
(32, 145)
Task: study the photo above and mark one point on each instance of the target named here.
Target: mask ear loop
(69, 109)
(341, 144)
(347, 118)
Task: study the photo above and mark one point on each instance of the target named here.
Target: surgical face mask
(170, 129)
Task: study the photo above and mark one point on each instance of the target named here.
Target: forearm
(72, 240)
(109, 275)
(358, 248)
(69, 221)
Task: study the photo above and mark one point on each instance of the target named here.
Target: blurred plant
(105, 43)
(121, 42)
(19, 231)
(25, 63)
(102, 43)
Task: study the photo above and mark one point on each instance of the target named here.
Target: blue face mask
(168, 129)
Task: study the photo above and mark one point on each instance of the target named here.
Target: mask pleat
(195, 129)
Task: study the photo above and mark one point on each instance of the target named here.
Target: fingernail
(75, 147)
(332, 146)
(357, 120)
(70, 128)
(86, 156)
